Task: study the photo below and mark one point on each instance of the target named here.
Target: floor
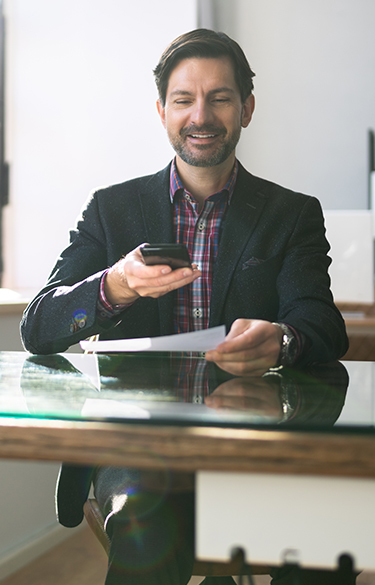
(80, 560)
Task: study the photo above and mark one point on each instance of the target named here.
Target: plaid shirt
(200, 232)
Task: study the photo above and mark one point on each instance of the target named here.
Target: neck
(202, 182)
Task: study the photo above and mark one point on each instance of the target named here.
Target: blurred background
(80, 105)
(80, 113)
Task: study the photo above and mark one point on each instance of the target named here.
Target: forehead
(202, 74)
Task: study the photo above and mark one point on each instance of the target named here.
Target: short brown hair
(204, 43)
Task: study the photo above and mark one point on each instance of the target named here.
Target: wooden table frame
(188, 449)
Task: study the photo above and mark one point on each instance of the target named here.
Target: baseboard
(18, 557)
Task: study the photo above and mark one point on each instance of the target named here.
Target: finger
(239, 326)
(242, 355)
(134, 264)
(253, 403)
(249, 339)
(243, 369)
(163, 285)
(227, 402)
(242, 350)
(143, 270)
(242, 387)
(174, 279)
(251, 368)
(138, 268)
(163, 271)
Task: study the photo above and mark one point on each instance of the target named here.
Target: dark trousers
(152, 534)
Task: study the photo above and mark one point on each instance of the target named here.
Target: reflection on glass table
(173, 388)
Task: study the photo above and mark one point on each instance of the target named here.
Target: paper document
(193, 341)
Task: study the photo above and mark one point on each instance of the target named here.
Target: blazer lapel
(158, 217)
(156, 208)
(241, 218)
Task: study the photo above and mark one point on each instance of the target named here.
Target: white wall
(315, 93)
(80, 105)
(350, 234)
(80, 114)
(28, 526)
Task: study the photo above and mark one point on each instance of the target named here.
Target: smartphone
(176, 255)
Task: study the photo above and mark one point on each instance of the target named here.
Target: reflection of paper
(88, 365)
(112, 408)
(175, 412)
(193, 341)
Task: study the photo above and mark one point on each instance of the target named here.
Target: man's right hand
(130, 278)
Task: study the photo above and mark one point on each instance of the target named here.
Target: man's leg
(151, 533)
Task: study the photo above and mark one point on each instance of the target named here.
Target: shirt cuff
(105, 310)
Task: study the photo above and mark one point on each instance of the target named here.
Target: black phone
(175, 255)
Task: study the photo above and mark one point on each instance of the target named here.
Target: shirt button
(201, 226)
(197, 312)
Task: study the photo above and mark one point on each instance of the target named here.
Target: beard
(205, 155)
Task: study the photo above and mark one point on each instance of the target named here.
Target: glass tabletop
(185, 390)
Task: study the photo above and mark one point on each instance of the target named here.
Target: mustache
(205, 129)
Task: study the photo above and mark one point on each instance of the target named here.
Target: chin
(204, 160)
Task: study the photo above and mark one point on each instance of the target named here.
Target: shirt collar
(176, 185)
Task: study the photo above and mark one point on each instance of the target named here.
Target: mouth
(202, 136)
(201, 140)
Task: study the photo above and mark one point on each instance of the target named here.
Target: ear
(247, 111)
(161, 112)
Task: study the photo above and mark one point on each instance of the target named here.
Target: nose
(201, 113)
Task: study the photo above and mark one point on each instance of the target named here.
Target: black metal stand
(245, 573)
(344, 574)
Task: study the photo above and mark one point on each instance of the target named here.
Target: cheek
(231, 118)
(174, 123)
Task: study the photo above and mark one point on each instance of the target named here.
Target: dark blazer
(272, 264)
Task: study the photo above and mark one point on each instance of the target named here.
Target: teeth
(203, 135)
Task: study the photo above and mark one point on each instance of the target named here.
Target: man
(260, 265)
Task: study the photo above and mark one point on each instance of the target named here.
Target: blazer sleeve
(303, 284)
(65, 310)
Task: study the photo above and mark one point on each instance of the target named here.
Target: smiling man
(260, 265)
(203, 114)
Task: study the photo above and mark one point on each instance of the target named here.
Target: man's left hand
(251, 348)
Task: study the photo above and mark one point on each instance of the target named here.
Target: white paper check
(193, 341)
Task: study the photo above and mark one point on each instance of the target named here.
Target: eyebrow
(223, 89)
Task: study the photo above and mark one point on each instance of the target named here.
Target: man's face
(203, 113)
